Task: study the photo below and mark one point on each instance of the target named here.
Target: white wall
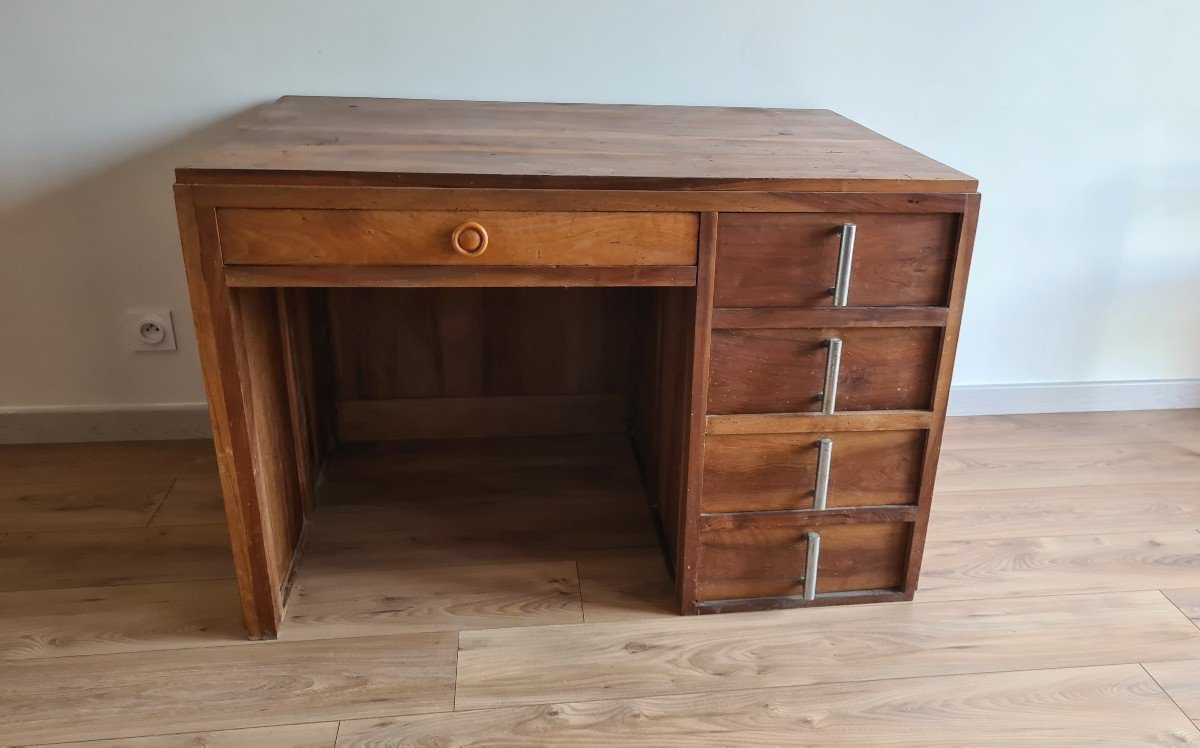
(1081, 119)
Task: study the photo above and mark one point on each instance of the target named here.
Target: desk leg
(693, 463)
(242, 356)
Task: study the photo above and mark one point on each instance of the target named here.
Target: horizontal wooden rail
(793, 423)
(759, 319)
(427, 276)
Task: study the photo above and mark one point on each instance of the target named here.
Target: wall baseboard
(102, 423)
(70, 423)
(1073, 397)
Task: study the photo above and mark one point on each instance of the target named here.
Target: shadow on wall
(1148, 305)
(77, 257)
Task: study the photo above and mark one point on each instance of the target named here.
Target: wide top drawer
(256, 236)
(799, 259)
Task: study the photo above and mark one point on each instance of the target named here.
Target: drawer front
(783, 370)
(770, 562)
(763, 472)
(384, 237)
(791, 259)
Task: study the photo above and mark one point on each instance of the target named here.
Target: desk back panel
(532, 360)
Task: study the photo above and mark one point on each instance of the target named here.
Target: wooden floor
(1059, 604)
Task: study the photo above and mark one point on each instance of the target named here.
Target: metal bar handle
(833, 366)
(824, 456)
(841, 286)
(811, 564)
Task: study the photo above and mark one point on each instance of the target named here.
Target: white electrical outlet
(150, 329)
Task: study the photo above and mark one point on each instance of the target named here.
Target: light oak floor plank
(1087, 465)
(1017, 567)
(192, 500)
(1187, 600)
(1117, 704)
(388, 601)
(313, 735)
(508, 667)
(123, 618)
(1064, 510)
(626, 585)
(99, 461)
(218, 688)
(1180, 679)
(1108, 511)
(84, 505)
(89, 558)
(1056, 429)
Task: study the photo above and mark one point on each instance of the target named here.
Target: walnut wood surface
(810, 518)
(473, 342)
(778, 471)
(339, 141)
(375, 237)
(220, 342)
(791, 259)
(660, 421)
(317, 197)
(759, 562)
(449, 209)
(449, 276)
(774, 318)
(273, 432)
(495, 415)
(783, 370)
(687, 565)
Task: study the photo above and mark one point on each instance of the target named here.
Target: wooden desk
(766, 301)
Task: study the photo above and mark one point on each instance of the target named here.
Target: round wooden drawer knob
(469, 239)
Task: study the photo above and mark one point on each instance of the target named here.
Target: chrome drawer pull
(841, 287)
(833, 366)
(824, 455)
(810, 565)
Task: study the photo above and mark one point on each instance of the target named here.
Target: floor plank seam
(190, 732)
(157, 509)
(932, 539)
(1193, 621)
(198, 525)
(787, 686)
(1106, 591)
(1165, 691)
(337, 732)
(118, 584)
(579, 587)
(283, 638)
(765, 689)
(457, 663)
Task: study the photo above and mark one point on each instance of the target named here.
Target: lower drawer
(754, 472)
(743, 563)
(784, 370)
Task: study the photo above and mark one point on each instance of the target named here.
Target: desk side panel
(218, 337)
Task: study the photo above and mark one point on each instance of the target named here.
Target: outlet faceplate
(150, 329)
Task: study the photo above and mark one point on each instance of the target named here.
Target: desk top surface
(411, 142)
